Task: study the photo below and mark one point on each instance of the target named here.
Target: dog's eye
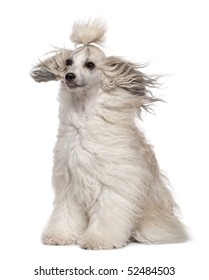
(68, 62)
(90, 65)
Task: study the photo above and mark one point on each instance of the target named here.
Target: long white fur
(108, 186)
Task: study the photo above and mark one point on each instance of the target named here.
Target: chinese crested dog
(108, 186)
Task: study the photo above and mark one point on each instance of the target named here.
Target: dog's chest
(81, 162)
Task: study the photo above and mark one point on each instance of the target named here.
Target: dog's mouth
(73, 85)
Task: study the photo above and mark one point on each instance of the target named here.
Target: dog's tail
(89, 32)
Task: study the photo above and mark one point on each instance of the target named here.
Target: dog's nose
(70, 76)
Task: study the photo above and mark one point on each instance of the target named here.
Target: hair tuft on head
(85, 33)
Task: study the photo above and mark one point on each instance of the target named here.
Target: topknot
(89, 32)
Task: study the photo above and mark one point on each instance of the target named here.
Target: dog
(109, 188)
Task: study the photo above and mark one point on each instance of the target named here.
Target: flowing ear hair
(120, 73)
(52, 68)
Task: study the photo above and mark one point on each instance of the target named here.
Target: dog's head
(83, 68)
(86, 67)
(78, 69)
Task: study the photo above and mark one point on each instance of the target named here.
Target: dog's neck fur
(79, 102)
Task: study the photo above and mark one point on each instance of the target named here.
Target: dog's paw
(57, 239)
(96, 244)
(91, 245)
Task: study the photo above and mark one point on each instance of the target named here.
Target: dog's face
(83, 69)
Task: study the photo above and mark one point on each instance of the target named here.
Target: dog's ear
(52, 68)
(124, 74)
(120, 73)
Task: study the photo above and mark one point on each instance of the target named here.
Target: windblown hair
(120, 73)
(87, 33)
(51, 68)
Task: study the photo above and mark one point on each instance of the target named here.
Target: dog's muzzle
(70, 81)
(69, 77)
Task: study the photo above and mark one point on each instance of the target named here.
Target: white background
(174, 36)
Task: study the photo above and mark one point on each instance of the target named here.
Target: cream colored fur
(108, 186)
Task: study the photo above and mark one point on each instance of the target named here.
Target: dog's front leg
(110, 222)
(66, 224)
